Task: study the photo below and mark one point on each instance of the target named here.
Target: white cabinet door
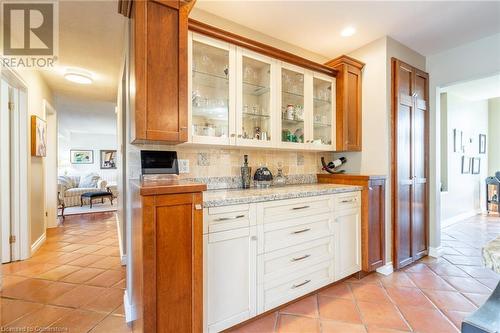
(230, 271)
(323, 113)
(348, 247)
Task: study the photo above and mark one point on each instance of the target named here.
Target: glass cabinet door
(255, 104)
(210, 93)
(323, 111)
(292, 106)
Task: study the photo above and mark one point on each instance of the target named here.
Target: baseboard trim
(435, 252)
(387, 269)
(128, 309)
(39, 242)
(459, 217)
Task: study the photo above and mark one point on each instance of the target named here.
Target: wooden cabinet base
(372, 215)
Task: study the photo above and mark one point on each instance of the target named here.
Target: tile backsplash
(208, 162)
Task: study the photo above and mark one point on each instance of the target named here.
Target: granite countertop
(216, 198)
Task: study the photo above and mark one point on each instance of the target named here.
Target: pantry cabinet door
(294, 106)
(323, 113)
(230, 278)
(348, 247)
(255, 99)
(213, 91)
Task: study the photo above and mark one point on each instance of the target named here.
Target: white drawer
(300, 283)
(293, 208)
(348, 200)
(224, 218)
(283, 234)
(282, 262)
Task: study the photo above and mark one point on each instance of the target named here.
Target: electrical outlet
(183, 166)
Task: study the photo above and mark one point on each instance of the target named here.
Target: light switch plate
(183, 166)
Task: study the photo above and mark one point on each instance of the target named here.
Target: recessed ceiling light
(78, 76)
(348, 31)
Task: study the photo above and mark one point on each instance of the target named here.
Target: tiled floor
(432, 296)
(74, 283)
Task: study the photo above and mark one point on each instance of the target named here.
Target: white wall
(474, 60)
(493, 139)
(465, 195)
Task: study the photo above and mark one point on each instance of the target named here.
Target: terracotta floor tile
(14, 309)
(43, 317)
(408, 296)
(82, 275)
(87, 249)
(72, 247)
(12, 268)
(424, 320)
(25, 289)
(120, 285)
(376, 329)
(108, 263)
(106, 302)
(430, 281)
(305, 307)
(112, 324)
(490, 283)
(384, 315)
(479, 272)
(398, 279)
(467, 285)
(108, 251)
(119, 311)
(78, 296)
(373, 278)
(64, 258)
(296, 324)
(456, 317)
(477, 299)
(328, 326)
(52, 291)
(418, 268)
(464, 260)
(107, 278)
(59, 272)
(338, 309)
(450, 300)
(341, 290)
(369, 293)
(447, 270)
(266, 324)
(10, 280)
(469, 251)
(36, 270)
(86, 260)
(450, 250)
(79, 321)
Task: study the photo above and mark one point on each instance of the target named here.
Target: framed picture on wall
(482, 143)
(82, 156)
(108, 159)
(38, 137)
(476, 165)
(465, 165)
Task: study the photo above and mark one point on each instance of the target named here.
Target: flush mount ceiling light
(78, 76)
(348, 31)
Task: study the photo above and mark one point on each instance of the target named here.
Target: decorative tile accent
(300, 160)
(203, 159)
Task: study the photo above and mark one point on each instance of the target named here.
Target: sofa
(70, 188)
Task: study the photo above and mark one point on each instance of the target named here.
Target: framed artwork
(38, 137)
(82, 156)
(108, 159)
(482, 143)
(476, 165)
(465, 165)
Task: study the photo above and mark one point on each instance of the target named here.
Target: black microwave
(159, 162)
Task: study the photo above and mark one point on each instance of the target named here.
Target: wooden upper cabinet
(348, 113)
(158, 69)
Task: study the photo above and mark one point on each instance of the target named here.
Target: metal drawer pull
(300, 284)
(301, 231)
(301, 207)
(350, 200)
(301, 258)
(230, 218)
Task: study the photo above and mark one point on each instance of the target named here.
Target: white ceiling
(477, 90)
(427, 27)
(91, 37)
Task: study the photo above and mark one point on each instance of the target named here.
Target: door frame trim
(394, 164)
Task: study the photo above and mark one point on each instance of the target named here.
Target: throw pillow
(65, 181)
(89, 181)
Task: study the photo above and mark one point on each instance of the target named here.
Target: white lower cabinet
(348, 242)
(260, 256)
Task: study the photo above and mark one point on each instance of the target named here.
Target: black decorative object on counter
(263, 177)
(332, 166)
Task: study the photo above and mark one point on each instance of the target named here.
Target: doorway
(13, 168)
(51, 191)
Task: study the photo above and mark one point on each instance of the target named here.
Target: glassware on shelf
(280, 179)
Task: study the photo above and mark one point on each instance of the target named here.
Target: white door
(230, 278)
(348, 247)
(5, 177)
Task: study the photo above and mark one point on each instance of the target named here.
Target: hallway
(431, 296)
(74, 282)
